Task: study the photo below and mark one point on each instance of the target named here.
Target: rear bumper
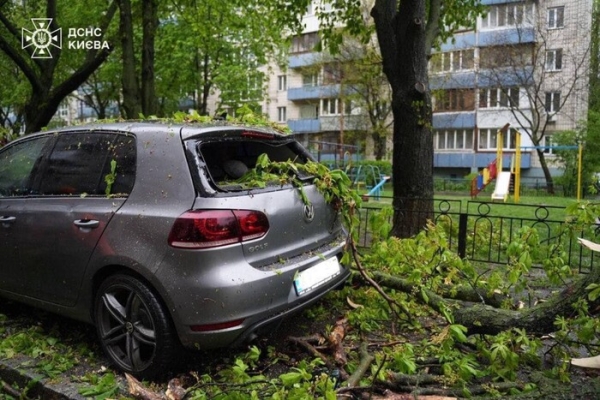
(239, 292)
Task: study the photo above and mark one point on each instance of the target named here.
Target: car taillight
(201, 229)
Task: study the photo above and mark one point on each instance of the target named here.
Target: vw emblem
(309, 212)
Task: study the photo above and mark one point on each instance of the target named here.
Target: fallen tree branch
(316, 353)
(485, 319)
(137, 390)
(375, 285)
(413, 384)
(6, 388)
(471, 294)
(366, 359)
(335, 339)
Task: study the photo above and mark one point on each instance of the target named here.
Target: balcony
(475, 160)
(453, 80)
(455, 120)
(506, 36)
(313, 92)
(304, 125)
(304, 60)
(460, 41)
(351, 123)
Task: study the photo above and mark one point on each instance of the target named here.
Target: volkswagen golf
(144, 230)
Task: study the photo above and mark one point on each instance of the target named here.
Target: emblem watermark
(41, 38)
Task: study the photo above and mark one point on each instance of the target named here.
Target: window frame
(508, 15)
(281, 83)
(496, 97)
(552, 102)
(454, 100)
(449, 139)
(100, 182)
(281, 114)
(555, 17)
(554, 60)
(491, 139)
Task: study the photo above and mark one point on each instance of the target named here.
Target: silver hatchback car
(143, 230)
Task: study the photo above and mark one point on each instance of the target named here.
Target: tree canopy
(51, 79)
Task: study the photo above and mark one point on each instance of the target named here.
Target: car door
(62, 223)
(18, 161)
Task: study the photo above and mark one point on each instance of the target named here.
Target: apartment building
(525, 63)
(309, 96)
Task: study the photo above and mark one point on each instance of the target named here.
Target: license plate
(317, 275)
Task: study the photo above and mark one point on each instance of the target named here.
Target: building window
(556, 17)
(282, 82)
(335, 107)
(506, 15)
(281, 114)
(499, 97)
(329, 106)
(454, 100)
(554, 60)
(63, 109)
(547, 144)
(552, 103)
(305, 42)
(457, 139)
(506, 56)
(310, 80)
(453, 61)
(309, 9)
(488, 139)
(332, 73)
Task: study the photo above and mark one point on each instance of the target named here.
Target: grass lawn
(526, 208)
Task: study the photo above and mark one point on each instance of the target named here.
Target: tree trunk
(203, 106)
(487, 319)
(131, 89)
(546, 170)
(379, 145)
(402, 40)
(150, 24)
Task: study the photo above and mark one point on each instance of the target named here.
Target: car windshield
(229, 162)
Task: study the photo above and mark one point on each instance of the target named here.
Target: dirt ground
(585, 384)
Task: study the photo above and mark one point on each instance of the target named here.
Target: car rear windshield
(228, 162)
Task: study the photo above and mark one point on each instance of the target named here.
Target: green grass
(496, 209)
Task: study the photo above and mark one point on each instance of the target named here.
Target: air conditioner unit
(551, 117)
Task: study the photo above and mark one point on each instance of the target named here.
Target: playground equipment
(494, 171)
(376, 190)
(371, 177)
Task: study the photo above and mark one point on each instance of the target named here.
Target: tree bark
(402, 39)
(546, 170)
(150, 24)
(489, 320)
(130, 86)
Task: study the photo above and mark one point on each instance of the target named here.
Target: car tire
(134, 329)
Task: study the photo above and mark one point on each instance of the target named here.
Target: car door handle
(86, 224)
(7, 220)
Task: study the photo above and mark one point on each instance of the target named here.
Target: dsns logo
(42, 38)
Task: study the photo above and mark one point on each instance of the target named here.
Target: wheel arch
(109, 270)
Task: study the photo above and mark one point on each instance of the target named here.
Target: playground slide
(502, 186)
(376, 191)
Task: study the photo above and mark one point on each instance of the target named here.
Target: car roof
(186, 130)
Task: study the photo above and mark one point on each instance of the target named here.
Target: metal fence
(482, 231)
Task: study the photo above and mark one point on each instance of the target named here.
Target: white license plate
(317, 275)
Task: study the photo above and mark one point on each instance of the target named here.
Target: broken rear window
(228, 161)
